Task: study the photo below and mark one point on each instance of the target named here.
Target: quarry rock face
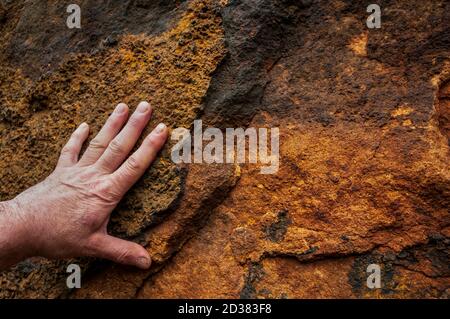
(364, 120)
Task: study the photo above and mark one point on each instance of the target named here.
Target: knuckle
(154, 144)
(115, 122)
(151, 141)
(75, 135)
(133, 164)
(116, 147)
(135, 121)
(122, 256)
(106, 190)
(97, 144)
(67, 150)
(153, 147)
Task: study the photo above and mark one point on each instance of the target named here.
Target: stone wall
(364, 142)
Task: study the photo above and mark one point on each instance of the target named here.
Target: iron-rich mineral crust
(364, 145)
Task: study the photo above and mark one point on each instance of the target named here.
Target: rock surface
(364, 118)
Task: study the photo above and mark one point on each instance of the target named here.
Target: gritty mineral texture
(364, 118)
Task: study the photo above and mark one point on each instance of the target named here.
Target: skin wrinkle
(11, 219)
(90, 189)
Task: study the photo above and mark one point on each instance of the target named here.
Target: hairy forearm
(13, 235)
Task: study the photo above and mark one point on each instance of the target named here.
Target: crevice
(198, 222)
(443, 109)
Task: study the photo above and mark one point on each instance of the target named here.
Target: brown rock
(364, 122)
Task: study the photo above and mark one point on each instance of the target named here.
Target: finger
(99, 143)
(123, 143)
(71, 151)
(120, 251)
(135, 166)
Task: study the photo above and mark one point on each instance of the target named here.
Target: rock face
(364, 118)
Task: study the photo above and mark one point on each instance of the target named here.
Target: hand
(67, 214)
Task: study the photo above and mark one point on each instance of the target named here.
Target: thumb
(121, 251)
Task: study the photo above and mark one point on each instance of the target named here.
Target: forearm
(13, 235)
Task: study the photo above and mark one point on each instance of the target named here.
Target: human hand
(66, 215)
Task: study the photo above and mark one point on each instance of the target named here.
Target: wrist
(15, 242)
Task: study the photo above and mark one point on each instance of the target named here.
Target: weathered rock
(39, 115)
(364, 120)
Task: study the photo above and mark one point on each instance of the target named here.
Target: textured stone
(38, 116)
(364, 146)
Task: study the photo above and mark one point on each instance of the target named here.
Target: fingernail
(143, 262)
(143, 107)
(160, 128)
(84, 126)
(120, 108)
